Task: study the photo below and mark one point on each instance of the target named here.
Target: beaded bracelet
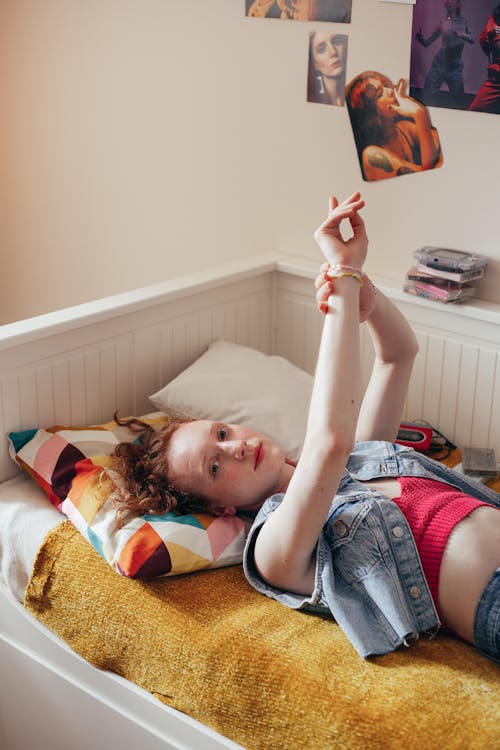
(338, 270)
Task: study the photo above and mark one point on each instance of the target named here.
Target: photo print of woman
(393, 132)
(448, 64)
(327, 67)
(338, 11)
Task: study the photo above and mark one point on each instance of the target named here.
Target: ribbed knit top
(433, 509)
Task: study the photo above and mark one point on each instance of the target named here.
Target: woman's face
(231, 466)
(328, 54)
(383, 96)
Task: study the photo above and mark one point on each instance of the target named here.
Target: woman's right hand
(335, 248)
(325, 287)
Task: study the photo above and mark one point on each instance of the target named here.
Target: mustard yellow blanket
(263, 675)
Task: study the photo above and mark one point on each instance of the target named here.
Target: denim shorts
(487, 620)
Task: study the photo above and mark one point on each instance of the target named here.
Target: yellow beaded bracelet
(337, 271)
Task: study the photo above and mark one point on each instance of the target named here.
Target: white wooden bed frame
(78, 365)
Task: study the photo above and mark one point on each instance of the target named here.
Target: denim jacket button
(415, 592)
(398, 532)
(340, 528)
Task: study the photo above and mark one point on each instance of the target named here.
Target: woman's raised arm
(395, 347)
(286, 543)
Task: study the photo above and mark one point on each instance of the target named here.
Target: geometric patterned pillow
(68, 463)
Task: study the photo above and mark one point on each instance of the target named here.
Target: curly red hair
(144, 485)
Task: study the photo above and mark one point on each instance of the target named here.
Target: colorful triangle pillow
(68, 462)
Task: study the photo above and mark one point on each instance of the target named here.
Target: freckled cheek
(237, 479)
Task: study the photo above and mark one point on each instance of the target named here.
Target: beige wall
(141, 139)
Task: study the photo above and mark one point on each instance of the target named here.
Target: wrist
(339, 270)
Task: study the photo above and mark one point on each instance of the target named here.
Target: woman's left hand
(337, 249)
(325, 286)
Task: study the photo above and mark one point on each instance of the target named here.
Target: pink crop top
(433, 509)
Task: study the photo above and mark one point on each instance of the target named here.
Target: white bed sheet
(26, 517)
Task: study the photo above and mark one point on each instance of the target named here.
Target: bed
(204, 661)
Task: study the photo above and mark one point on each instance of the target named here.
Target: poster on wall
(338, 11)
(455, 54)
(392, 131)
(326, 67)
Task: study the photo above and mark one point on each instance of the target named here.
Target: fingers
(332, 204)
(329, 235)
(353, 203)
(322, 295)
(352, 198)
(325, 288)
(346, 210)
(357, 225)
(400, 87)
(322, 277)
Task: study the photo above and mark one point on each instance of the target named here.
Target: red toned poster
(393, 132)
(338, 11)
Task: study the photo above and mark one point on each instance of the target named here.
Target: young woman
(393, 132)
(447, 66)
(389, 541)
(327, 68)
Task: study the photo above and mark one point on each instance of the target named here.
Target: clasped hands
(326, 287)
(343, 252)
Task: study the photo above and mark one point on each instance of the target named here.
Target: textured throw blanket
(263, 675)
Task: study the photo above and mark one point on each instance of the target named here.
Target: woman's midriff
(471, 556)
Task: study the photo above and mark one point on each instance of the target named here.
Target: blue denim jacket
(368, 572)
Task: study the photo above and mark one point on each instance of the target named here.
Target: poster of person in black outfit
(448, 63)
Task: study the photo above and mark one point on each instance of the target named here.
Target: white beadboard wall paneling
(60, 380)
(455, 380)
(145, 366)
(449, 404)
(494, 434)
(45, 394)
(298, 322)
(484, 397)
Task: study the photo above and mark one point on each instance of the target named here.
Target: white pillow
(239, 385)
